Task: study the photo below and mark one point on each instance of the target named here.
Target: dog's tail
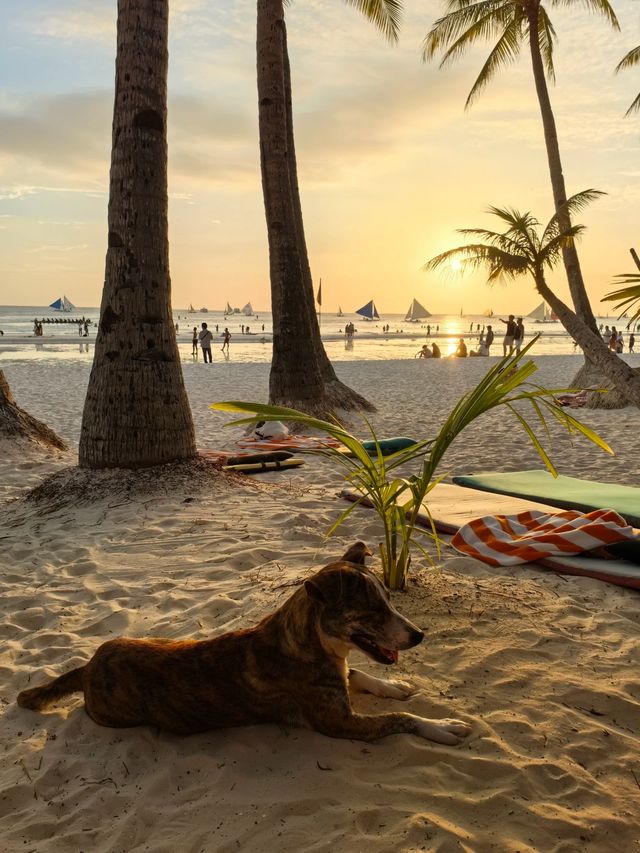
(38, 698)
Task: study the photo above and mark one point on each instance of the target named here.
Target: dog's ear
(357, 553)
(312, 588)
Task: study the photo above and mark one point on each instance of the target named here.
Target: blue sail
(368, 311)
(63, 304)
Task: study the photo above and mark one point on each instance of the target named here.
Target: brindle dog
(290, 669)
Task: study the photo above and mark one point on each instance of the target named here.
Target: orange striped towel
(507, 540)
(290, 442)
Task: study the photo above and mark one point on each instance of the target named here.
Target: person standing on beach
(489, 339)
(519, 335)
(205, 337)
(509, 334)
(632, 341)
(226, 337)
(194, 343)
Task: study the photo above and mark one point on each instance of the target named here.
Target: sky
(390, 163)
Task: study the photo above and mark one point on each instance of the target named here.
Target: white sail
(228, 309)
(541, 313)
(416, 312)
(488, 313)
(339, 314)
(248, 310)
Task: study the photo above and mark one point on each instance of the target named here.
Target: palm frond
(631, 59)
(462, 18)
(574, 204)
(546, 38)
(384, 14)
(504, 52)
(599, 7)
(627, 297)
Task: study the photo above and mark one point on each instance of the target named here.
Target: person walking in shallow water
(226, 337)
(205, 337)
(194, 343)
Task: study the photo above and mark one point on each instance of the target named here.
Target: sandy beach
(544, 667)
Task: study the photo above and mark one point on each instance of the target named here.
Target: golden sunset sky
(390, 163)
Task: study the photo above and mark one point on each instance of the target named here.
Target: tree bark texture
(15, 423)
(136, 412)
(301, 374)
(597, 354)
(569, 254)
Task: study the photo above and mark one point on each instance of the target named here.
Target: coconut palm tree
(136, 412)
(301, 374)
(527, 249)
(18, 425)
(631, 59)
(515, 23)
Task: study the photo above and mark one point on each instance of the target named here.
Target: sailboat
(541, 314)
(368, 311)
(228, 309)
(63, 304)
(339, 314)
(416, 312)
(488, 313)
(192, 310)
(248, 310)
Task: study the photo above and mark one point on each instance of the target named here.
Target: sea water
(251, 336)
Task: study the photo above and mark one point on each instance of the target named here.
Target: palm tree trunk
(569, 254)
(15, 423)
(301, 375)
(619, 373)
(295, 378)
(340, 395)
(136, 412)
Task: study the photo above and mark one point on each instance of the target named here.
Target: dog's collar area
(373, 650)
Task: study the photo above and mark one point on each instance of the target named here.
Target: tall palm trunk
(596, 352)
(569, 253)
(338, 393)
(301, 375)
(136, 413)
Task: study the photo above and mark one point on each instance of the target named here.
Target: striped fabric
(289, 442)
(507, 540)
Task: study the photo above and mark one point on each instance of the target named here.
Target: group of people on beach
(512, 342)
(204, 338)
(614, 339)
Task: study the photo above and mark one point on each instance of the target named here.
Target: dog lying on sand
(290, 669)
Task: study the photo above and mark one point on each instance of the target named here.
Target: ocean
(403, 340)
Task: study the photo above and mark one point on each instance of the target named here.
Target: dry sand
(544, 667)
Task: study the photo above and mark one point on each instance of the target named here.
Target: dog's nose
(417, 636)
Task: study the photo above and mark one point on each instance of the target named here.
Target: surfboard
(564, 492)
(263, 467)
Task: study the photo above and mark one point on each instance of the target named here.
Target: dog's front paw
(449, 732)
(394, 689)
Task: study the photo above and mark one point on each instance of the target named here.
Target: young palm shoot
(398, 499)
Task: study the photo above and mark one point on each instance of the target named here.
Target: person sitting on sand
(483, 350)
(435, 350)
(425, 352)
(461, 349)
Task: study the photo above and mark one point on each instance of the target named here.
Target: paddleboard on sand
(263, 467)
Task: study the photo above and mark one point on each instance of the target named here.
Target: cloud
(50, 248)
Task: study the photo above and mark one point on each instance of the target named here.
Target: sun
(455, 264)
